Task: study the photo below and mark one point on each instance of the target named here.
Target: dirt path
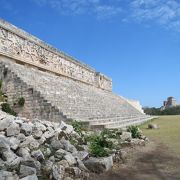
(152, 162)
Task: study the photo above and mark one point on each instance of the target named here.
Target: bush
(111, 133)
(78, 127)
(134, 131)
(1, 97)
(21, 101)
(98, 151)
(6, 108)
(100, 146)
(158, 111)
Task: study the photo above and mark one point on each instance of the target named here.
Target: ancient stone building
(169, 103)
(58, 87)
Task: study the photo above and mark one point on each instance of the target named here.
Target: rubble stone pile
(33, 149)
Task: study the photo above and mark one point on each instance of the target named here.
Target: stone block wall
(23, 47)
(35, 106)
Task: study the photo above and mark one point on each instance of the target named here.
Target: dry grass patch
(168, 132)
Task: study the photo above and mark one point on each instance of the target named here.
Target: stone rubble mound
(41, 149)
(38, 149)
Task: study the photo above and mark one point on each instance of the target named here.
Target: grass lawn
(168, 132)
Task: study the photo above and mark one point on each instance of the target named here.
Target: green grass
(168, 132)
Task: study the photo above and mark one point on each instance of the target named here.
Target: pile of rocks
(38, 148)
(29, 150)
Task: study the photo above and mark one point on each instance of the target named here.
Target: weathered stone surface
(4, 144)
(2, 115)
(32, 163)
(2, 165)
(126, 136)
(14, 143)
(52, 158)
(24, 152)
(82, 155)
(5, 175)
(59, 154)
(152, 126)
(31, 177)
(56, 144)
(18, 120)
(49, 134)
(48, 124)
(99, 165)
(14, 164)
(51, 155)
(13, 130)
(68, 146)
(21, 137)
(58, 171)
(70, 159)
(68, 178)
(49, 57)
(37, 134)
(5, 123)
(61, 134)
(26, 171)
(8, 156)
(30, 142)
(64, 163)
(30, 50)
(47, 152)
(74, 171)
(26, 129)
(47, 167)
(42, 140)
(120, 156)
(138, 142)
(81, 165)
(39, 126)
(65, 127)
(38, 155)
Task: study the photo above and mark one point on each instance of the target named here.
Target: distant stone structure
(169, 103)
(57, 87)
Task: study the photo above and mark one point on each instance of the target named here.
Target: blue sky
(135, 42)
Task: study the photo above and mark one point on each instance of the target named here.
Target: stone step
(116, 121)
(99, 118)
(74, 100)
(126, 124)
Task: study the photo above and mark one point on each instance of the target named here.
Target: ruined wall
(23, 47)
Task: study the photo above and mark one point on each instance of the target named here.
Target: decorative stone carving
(24, 47)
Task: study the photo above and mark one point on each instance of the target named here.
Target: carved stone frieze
(33, 52)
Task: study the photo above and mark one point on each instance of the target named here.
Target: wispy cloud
(106, 11)
(163, 12)
(78, 7)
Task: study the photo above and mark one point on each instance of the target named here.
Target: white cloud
(166, 13)
(104, 11)
(163, 12)
(77, 7)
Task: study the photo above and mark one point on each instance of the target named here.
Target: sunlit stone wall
(25, 48)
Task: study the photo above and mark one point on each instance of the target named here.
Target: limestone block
(99, 165)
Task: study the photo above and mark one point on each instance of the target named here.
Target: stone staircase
(69, 99)
(35, 106)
